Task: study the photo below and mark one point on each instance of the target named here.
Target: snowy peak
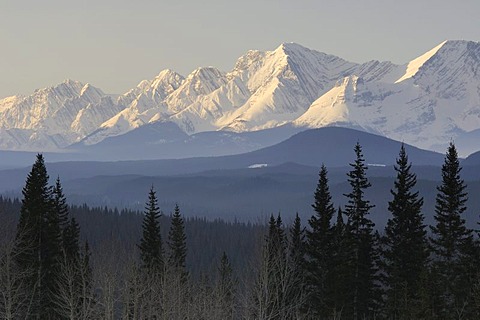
(452, 56)
(247, 60)
(201, 81)
(453, 72)
(164, 84)
(332, 107)
(289, 48)
(29, 112)
(66, 88)
(459, 48)
(427, 101)
(414, 66)
(204, 80)
(168, 79)
(314, 70)
(434, 100)
(138, 106)
(53, 117)
(57, 94)
(90, 93)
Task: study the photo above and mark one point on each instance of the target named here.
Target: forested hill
(60, 261)
(111, 230)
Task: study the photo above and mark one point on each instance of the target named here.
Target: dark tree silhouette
(363, 258)
(151, 250)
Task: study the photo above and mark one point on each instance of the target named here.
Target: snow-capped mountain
(53, 117)
(435, 100)
(426, 102)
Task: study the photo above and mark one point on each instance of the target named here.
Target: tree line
(336, 266)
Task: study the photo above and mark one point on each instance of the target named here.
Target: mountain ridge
(426, 102)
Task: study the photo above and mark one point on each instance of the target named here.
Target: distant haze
(116, 44)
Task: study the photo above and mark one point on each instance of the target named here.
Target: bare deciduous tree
(75, 298)
(15, 295)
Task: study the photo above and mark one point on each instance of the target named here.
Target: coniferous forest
(59, 261)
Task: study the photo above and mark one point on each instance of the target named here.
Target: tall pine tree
(60, 204)
(69, 227)
(340, 274)
(319, 250)
(177, 244)
(297, 246)
(271, 285)
(405, 248)
(296, 292)
(71, 242)
(452, 243)
(151, 251)
(359, 229)
(38, 248)
(225, 289)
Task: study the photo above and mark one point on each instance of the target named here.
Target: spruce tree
(404, 244)
(71, 244)
(452, 243)
(340, 275)
(272, 283)
(87, 295)
(38, 242)
(177, 244)
(319, 249)
(361, 238)
(225, 289)
(276, 241)
(60, 204)
(297, 245)
(296, 293)
(151, 252)
(70, 229)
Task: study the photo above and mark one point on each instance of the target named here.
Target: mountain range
(426, 102)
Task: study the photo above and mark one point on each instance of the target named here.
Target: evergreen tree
(340, 274)
(71, 238)
(225, 289)
(276, 241)
(270, 288)
(296, 293)
(69, 228)
(87, 295)
(361, 239)
(297, 245)
(38, 244)
(60, 204)
(177, 243)
(404, 244)
(151, 251)
(319, 249)
(279, 290)
(452, 243)
(177, 292)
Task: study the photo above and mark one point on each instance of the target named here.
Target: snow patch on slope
(416, 64)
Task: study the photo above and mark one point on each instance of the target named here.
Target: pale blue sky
(114, 44)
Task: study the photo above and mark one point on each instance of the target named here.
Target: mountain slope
(53, 117)
(165, 140)
(426, 102)
(437, 99)
(332, 146)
